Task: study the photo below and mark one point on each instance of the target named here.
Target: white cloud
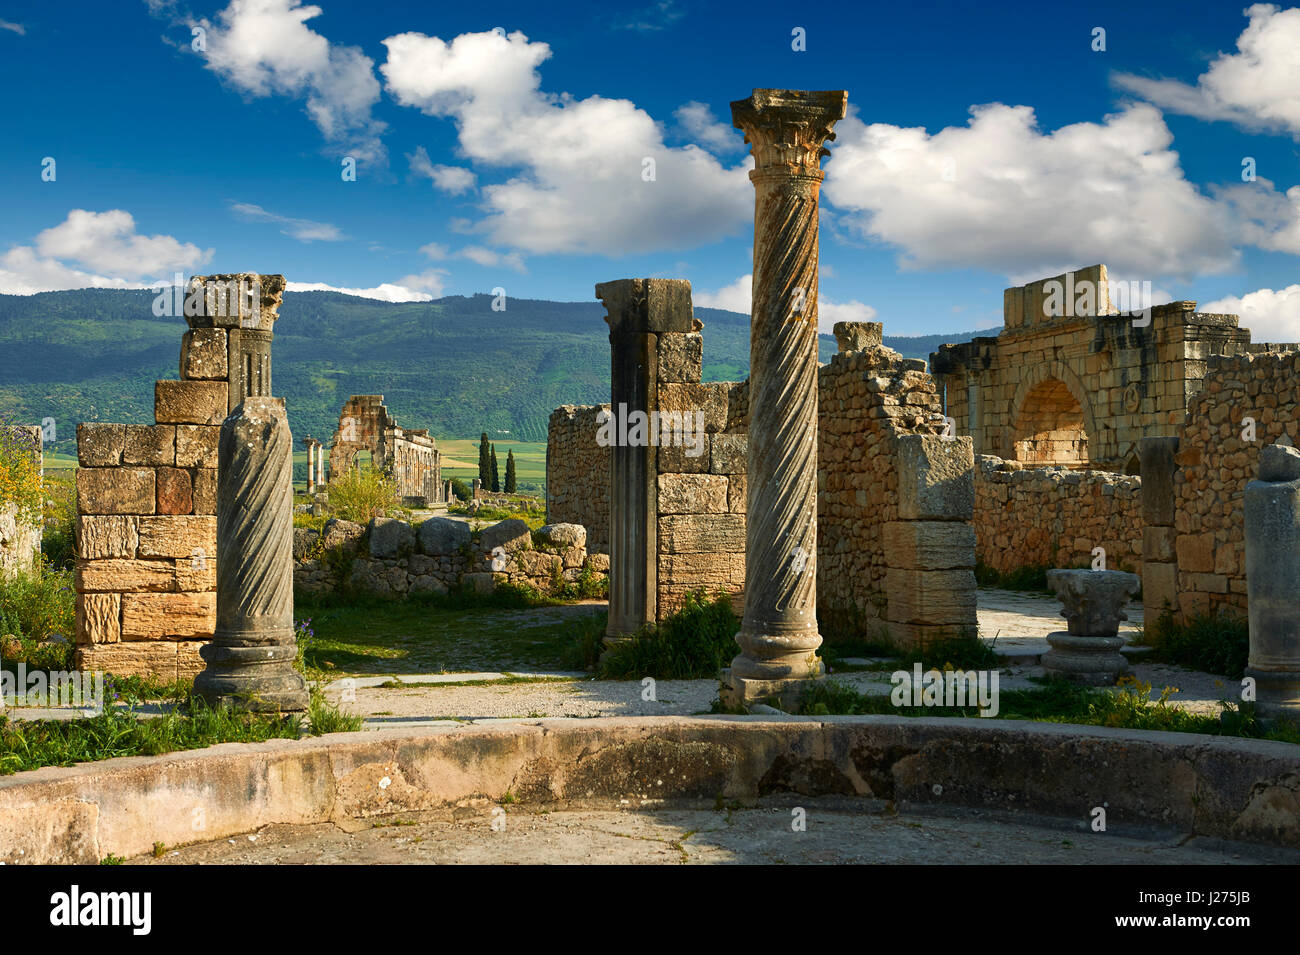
(304, 230)
(698, 123)
(999, 194)
(491, 259)
(23, 272)
(1268, 218)
(1271, 316)
(1257, 87)
(108, 242)
(412, 288)
(452, 180)
(579, 185)
(738, 297)
(13, 27)
(264, 47)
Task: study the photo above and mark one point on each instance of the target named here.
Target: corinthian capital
(786, 128)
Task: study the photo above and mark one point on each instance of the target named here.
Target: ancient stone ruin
(20, 538)
(410, 457)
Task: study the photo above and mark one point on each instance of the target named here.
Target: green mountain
(453, 365)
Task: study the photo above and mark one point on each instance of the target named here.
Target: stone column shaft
(1273, 580)
(779, 638)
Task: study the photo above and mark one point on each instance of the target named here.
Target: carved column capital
(787, 130)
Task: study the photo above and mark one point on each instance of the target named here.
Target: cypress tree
(484, 463)
(512, 480)
(496, 478)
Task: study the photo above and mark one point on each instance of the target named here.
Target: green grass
(509, 630)
(694, 643)
(35, 606)
(530, 459)
(1211, 643)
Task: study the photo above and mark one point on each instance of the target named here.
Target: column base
(261, 679)
(610, 642)
(1277, 694)
(739, 692)
(1090, 661)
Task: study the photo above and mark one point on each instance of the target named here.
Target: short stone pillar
(250, 659)
(778, 638)
(1273, 581)
(1088, 651)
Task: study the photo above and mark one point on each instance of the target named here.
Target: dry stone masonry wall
(577, 472)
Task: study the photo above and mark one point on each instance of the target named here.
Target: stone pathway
(838, 831)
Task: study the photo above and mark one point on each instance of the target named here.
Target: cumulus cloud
(1258, 87)
(452, 180)
(582, 178)
(304, 230)
(1268, 218)
(95, 250)
(413, 288)
(264, 47)
(738, 297)
(1271, 316)
(1002, 195)
(698, 123)
(492, 259)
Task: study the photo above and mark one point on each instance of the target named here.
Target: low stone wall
(1055, 516)
(1240, 789)
(394, 559)
(577, 472)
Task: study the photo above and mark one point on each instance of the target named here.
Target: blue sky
(504, 145)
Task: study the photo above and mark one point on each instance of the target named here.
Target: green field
(530, 460)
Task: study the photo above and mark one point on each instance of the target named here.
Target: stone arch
(1063, 429)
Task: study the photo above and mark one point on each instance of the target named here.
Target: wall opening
(1049, 427)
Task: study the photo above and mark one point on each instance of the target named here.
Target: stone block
(692, 494)
(441, 536)
(175, 491)
(857, 336)
(1157, 459)
(100, 445)
(1159, 585)
(1158, 544)
(115, 490)
(727, 453)
(681, 357)
(535, 563)
(1195, 553)
(99, 618)
(390, 538)
(936, 478)
(205, 491)
(124, 576)
(920, 636)
(512, 535)
(148, 658)
(170, 616)
(929, 545)
(344, 535)
(562, 535)
(203, 354)
(709, 400)
(934, 597)
(188, 662)
(196, 446)
(179, 536)
(675, 459)
(191, 402)
(151, 444)
(736, 501)
(702, 534)
(102, 536)
(691, 571)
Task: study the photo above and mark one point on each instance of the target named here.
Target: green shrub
(1031, 577)
(694, 643)
(1211, 643)
(364, 493)
(57, 542)
(461, 490)
(36, 605)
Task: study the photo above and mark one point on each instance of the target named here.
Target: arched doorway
(1049, 427)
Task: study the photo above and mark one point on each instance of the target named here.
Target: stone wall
(410, 457)
(394, 559)
(577, 472)
(145, 571)
(20, 541)
(1054, 517)
(1080, 389)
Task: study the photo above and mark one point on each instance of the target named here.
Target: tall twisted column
(778, 638)
(250, 659)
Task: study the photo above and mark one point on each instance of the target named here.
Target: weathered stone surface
(175, 491)
(100, 536)
(1195, 553)
(196, 446)
(99, 617)
(205, 491)
(692, 494)
(151, 444)
(115, 490)
(100, 445)
(681, 357)
(1279, 462)
(599, 563)
(702, 533)
(707, 399)
(1088, 660)
(441, 536)
(680, 459)
(855, 336)
(1158, 467)
(1093, 599)
(204, 354)
(1272, 525)
(339, 533)
(562, 535)
(1157, 546)
(172, 616)
(153, 658)
(304, 539)
(936, 478)
(727, 453)
(124, 576)
(390, 538)
(512, 535)
(929, 545)
(536, 563)
(935, 597)
(191, 402)
(188, 536)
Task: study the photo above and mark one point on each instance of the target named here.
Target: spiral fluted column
(778, 638)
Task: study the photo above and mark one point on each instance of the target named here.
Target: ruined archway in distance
(1049, 427)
